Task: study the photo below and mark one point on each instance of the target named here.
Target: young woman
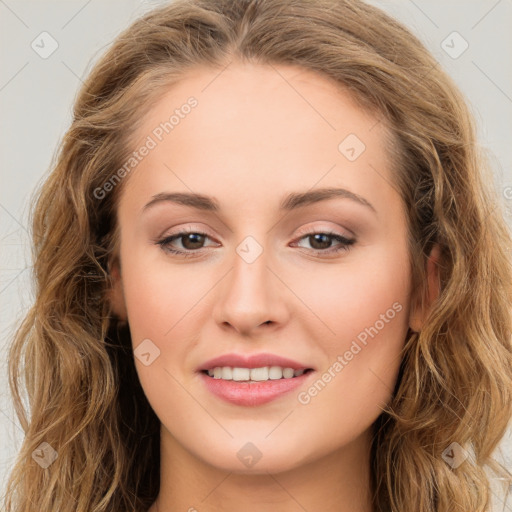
(271, 274)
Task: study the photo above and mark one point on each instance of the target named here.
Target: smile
(254, 374)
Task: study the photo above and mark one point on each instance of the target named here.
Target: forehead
(251, 125)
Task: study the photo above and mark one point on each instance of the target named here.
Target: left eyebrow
(297, 200)
(290, 202)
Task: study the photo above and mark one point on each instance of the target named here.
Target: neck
(336, 482)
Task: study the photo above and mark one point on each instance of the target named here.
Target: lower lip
(252, 393)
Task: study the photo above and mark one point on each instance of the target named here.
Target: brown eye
(192, 240)
(192, 243)
(321, 243)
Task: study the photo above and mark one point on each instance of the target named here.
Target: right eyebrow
(198, 201)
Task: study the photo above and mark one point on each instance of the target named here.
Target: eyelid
(344, 233)
(303, 231)
(186, 229)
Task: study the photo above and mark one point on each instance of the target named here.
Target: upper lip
(252, 361)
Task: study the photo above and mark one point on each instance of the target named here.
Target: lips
(265, 382)
(253, 394)
(252, 361)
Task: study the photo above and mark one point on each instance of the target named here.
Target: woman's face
(296, 249)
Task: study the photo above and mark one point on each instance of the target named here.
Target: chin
(268, 464)
(253, 457)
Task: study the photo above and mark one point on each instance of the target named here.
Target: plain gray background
(37, 92)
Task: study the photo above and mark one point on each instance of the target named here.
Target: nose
(250, 296)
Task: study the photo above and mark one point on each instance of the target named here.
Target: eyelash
(345, 243)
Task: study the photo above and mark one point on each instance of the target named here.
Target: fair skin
(258, 134)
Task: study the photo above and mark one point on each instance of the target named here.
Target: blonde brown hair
(75, 360)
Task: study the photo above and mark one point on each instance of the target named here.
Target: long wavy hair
(73, 358)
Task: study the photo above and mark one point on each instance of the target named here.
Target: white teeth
(288, 373)
(241, 373)
(275, 372)
(259, 373)
(227, 373)
(253, 374)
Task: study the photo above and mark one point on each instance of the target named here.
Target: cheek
(366, 307)
(369, 291)
(157, 293)
(161, 302)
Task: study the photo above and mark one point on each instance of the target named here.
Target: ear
(115, 294)
(421, 307)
